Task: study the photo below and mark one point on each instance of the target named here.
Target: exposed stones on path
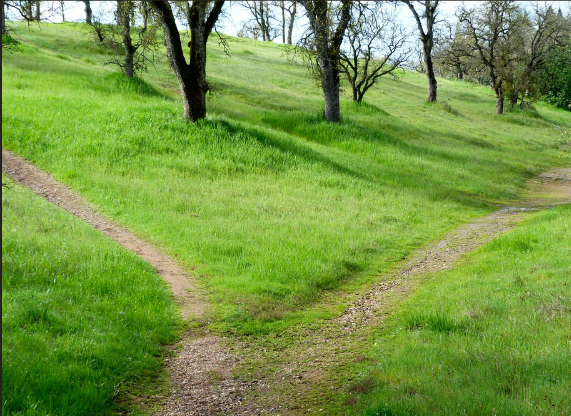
(202, 379)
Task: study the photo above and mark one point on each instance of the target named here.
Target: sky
(237, 15)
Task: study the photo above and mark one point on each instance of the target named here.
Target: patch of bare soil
(201, 373)
(294, 372)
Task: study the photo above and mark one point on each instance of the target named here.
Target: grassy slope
(490, 337)
(271, 204)
(81, 316)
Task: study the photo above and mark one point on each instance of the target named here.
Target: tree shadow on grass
(352, 165)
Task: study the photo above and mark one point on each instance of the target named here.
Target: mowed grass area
(490, 337)
(269, 204)
(83, 319)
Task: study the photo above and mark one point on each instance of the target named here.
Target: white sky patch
(235, 15)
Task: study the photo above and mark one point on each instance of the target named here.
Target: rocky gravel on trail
(202, 376)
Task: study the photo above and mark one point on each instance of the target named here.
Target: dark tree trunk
(262, 21)
(3, 11)
(27, 10)
(459, 71)
(499, 99)
(37, 11)
(432, 85)
(282, 5)
(427, 38)
(328, 52)
(62, 5)
(191, 77)
(145, 15)
(291, 21)
(88, 12)
(124, 11)
(514, 95)
(330, 85)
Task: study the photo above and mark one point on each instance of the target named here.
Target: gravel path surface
(202, 378)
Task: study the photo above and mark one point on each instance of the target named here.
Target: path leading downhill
(184, 290)
(201, 357)
(202, 377)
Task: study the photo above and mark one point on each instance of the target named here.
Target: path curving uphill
(181, 284)
(202, 355)
(202, 379)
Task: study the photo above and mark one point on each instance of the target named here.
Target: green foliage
(270, 204)
(557, 78)
(81, 316)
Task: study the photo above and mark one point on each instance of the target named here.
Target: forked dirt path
(312, 362)
(294, 373)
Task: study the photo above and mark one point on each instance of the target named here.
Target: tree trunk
(330, 85)
(88, 12)
(62, 5)
(432, 85)
(459, 72)
(191, 77)
(37, 13)
(124, 9)
(27, 9)
(328, 52)
(145, 15)
(514, 95)
(262, 21)
(499, 99)
(282, 5)
(291, 21)
(3, 20)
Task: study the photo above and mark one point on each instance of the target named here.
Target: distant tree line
(522, 51)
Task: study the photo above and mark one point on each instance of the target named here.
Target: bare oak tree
(140, 41)
(327, 38)
(262, 16)
(191, 76)
(428, 10)
(291, 8)
(493, 28)
(374, 47)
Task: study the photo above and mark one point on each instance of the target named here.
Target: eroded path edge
(202, 372)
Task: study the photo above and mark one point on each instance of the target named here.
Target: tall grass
(491, 337)
(81, 317)
(268, 202)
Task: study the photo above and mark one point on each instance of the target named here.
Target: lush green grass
(271, 204)
(81, 316)
(490, 337)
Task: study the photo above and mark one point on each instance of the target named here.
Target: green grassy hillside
(490, 337)
(270, 207)
(271, 204)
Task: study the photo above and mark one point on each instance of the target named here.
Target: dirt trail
(288, 378)
(203, 365)
(185, 291)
